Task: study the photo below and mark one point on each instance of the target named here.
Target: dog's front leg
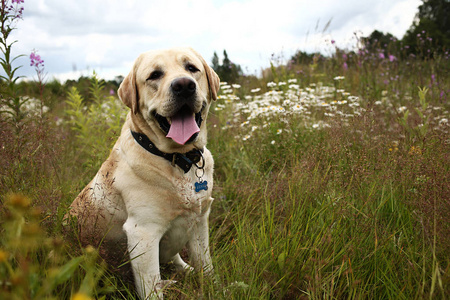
(199, 246)
(143, 246)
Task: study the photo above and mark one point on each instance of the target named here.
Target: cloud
(76, 36)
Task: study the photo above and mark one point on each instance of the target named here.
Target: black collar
(183, 160)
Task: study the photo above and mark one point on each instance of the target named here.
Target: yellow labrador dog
(153, 193)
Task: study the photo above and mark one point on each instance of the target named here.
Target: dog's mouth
(183, 127)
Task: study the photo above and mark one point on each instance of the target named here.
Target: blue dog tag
(201, 186)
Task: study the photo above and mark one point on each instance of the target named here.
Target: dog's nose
(183, 87)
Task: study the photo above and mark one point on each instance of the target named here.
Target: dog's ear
(128, 91)
(213, 78)
(213, 81)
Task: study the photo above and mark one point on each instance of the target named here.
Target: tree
(431, 26)
(378, 40)
(227, 71)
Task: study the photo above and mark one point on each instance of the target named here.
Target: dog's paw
(162, 284)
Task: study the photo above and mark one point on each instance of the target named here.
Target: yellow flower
(415, 151)
(18, 201)
(81, 296)
(3, 256)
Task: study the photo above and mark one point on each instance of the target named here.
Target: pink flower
(35, 59)
(392, 58)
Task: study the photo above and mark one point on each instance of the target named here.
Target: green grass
(324, 188)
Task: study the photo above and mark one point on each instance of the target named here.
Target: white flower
(339, 78)
(315, 125)
(297, 107)
(255, 90)
(292, 80)
(271, 84)
(246, 137)
(273, 142)
(279, 131)
(236, 86)
(254, 128)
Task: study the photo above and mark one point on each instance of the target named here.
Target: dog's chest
(192, 207)
(193, 202)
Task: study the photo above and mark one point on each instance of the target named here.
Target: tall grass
(331, 182)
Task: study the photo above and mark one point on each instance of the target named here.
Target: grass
(330, 183)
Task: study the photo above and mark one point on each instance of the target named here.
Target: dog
(153, 193)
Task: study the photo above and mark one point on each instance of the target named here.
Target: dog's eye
(155, 75)
(191, 68)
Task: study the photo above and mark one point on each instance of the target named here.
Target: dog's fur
(140, 199)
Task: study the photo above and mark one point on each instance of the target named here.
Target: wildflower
(272, 142)
(36, 60)
(255, 90)
(3, 256)
(18, 201)
(246, 137)
(339, 78)
(279, 131)
(236, 86)
(415, 151)
(315, 125)
(81, 296)
(271, 84)
(381, 55)
(254, 128)
(443, 121)
(392, 58)
(292, 80)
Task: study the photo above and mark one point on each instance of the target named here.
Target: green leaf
(66, 272)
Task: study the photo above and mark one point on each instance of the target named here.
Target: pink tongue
(182, 128)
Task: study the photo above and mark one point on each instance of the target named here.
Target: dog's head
(172, 91)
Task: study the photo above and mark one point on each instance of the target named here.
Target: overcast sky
(75, 37)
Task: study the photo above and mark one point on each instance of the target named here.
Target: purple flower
(392, 58)
(35, 59)
(345, 66)
(17, 1)
(381, 55)
(333, 41)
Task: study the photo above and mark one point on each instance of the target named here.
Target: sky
(76, 37)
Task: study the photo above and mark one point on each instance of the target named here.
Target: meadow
(331, 182)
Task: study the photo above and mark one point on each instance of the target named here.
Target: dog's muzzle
(184, 124)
